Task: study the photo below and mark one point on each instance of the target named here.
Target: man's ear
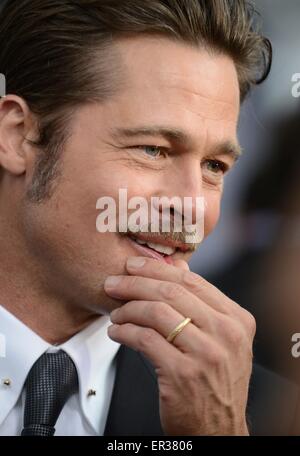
(16, 124)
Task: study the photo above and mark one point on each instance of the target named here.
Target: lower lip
(145, 251)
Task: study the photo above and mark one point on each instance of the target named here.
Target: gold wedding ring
(178, 329)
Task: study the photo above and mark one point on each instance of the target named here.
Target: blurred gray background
(272, 100)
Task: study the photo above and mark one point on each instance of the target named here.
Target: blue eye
(216, 166)
(153, 151)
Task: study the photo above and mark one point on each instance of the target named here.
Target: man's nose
(186, 185)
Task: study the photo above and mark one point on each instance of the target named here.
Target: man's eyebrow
(176, 135)
(229, 148)
(172, 134)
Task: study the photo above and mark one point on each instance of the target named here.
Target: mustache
(177, 236)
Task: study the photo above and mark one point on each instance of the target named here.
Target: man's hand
(203, 376)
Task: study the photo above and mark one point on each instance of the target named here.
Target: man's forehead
(172, 99)
(176, 74)
(179, 57)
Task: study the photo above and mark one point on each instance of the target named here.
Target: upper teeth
(167, 250)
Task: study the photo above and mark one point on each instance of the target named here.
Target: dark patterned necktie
(50, 383)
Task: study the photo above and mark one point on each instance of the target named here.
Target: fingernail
(135, 262)
(112, 281)
(111, 329)
(113, 313)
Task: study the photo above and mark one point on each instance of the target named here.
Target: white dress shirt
(93, 354)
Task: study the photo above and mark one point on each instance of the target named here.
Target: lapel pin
(91, 392)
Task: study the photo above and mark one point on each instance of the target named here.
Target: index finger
(191, 281)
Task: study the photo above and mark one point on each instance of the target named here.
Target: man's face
(166, 84)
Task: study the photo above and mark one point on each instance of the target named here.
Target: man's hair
(59, 54)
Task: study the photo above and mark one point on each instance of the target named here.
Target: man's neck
(55, 327)
(51, 317)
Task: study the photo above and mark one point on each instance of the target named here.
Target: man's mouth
(156, 247)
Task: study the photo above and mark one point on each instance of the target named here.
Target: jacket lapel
(134, 408)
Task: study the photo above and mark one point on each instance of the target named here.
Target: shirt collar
(91, 350)
(21, 347)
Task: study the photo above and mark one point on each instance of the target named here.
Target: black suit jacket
(134, 408)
